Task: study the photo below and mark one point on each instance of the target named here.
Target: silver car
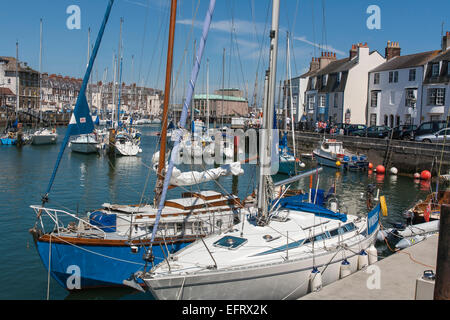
(435, 137)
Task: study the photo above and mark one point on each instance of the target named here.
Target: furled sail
(189, 178)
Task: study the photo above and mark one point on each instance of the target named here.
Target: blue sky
(415, 24)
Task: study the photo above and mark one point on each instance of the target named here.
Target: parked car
(404, 132)
(435, 137)
(354, 127)
(429, 127)
(373, 132)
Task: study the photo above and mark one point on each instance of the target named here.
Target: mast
(119, 69)
(223, 85)
(17, 78)
(40, 70)
(162, 151)
(291, 102)
(266, 154)
(207, 94)
(113, 89)
(182, 122)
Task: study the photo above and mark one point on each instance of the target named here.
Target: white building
(337, 89)
(395, 88)
(409, 89)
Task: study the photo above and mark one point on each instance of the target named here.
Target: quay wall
(407, 156)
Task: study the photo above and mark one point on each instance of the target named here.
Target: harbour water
(85, 182)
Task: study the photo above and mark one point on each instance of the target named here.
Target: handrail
(39, 209)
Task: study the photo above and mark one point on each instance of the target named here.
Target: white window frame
(374, 99)
(435, 70)
(412, 72)
(376, 78)
(410, 94)
(392, 97)
(322, 101)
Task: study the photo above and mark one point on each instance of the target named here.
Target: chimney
(353, 51)
(314, 65)
(392, 50)
(446, 41)
(325, 59)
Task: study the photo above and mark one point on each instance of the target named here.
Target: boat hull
(96, 265)
(43, 139)
(86, 148)
(286, 280)
(8, 141)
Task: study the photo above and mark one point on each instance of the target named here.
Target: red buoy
(370, 165)
(380, 169)
(425, 175)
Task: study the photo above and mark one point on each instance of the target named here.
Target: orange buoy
(380, 178)
(370, 165)
(380, 169)
(370, 172)
(425, 175)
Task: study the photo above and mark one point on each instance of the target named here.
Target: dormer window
(338, 77)
(435, 70)
(324, 80)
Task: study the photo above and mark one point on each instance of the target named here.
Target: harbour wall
(407, 156)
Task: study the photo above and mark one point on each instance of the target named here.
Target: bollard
(441, 286)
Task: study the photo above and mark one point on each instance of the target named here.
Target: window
(338, 77)
(393, 76)
(385, 120)
(412, 75)
(397, 121)
(322, 101)
(324, 80)
(376, 78)
(392, 97)
(311, 102)
(434, 118)
(407, 119)
(374, 99)
(435, 69)
(336, 97)
(436, 96)
(410, 98)
(230, 242)
(373, 119)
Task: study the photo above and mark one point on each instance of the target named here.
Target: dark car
(374, 132)
(354, 127)
(429, 127)
(404, 132)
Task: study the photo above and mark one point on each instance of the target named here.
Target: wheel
(426, 140)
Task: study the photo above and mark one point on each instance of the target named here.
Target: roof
(443, 56)
(219, 97)
(408, 61)
(6, 92)
(10, 65)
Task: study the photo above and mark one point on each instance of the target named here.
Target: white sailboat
(86, 143)
(42, 136)
(281, 249)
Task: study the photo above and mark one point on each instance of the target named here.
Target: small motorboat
(331, 153)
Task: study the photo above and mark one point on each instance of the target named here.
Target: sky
(313, 25)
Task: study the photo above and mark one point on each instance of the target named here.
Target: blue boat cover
(106, 222)
(298, 203)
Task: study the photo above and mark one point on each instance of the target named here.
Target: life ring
(383, 206)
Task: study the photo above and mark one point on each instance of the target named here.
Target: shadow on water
(109, 294)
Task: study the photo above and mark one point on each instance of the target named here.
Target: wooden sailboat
(115, 241)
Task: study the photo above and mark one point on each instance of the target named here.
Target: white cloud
(325, 48)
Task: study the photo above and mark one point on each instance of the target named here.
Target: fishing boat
(107, 245)
(9, 139)
(331, 153)
(281, 248)
(428, 209)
